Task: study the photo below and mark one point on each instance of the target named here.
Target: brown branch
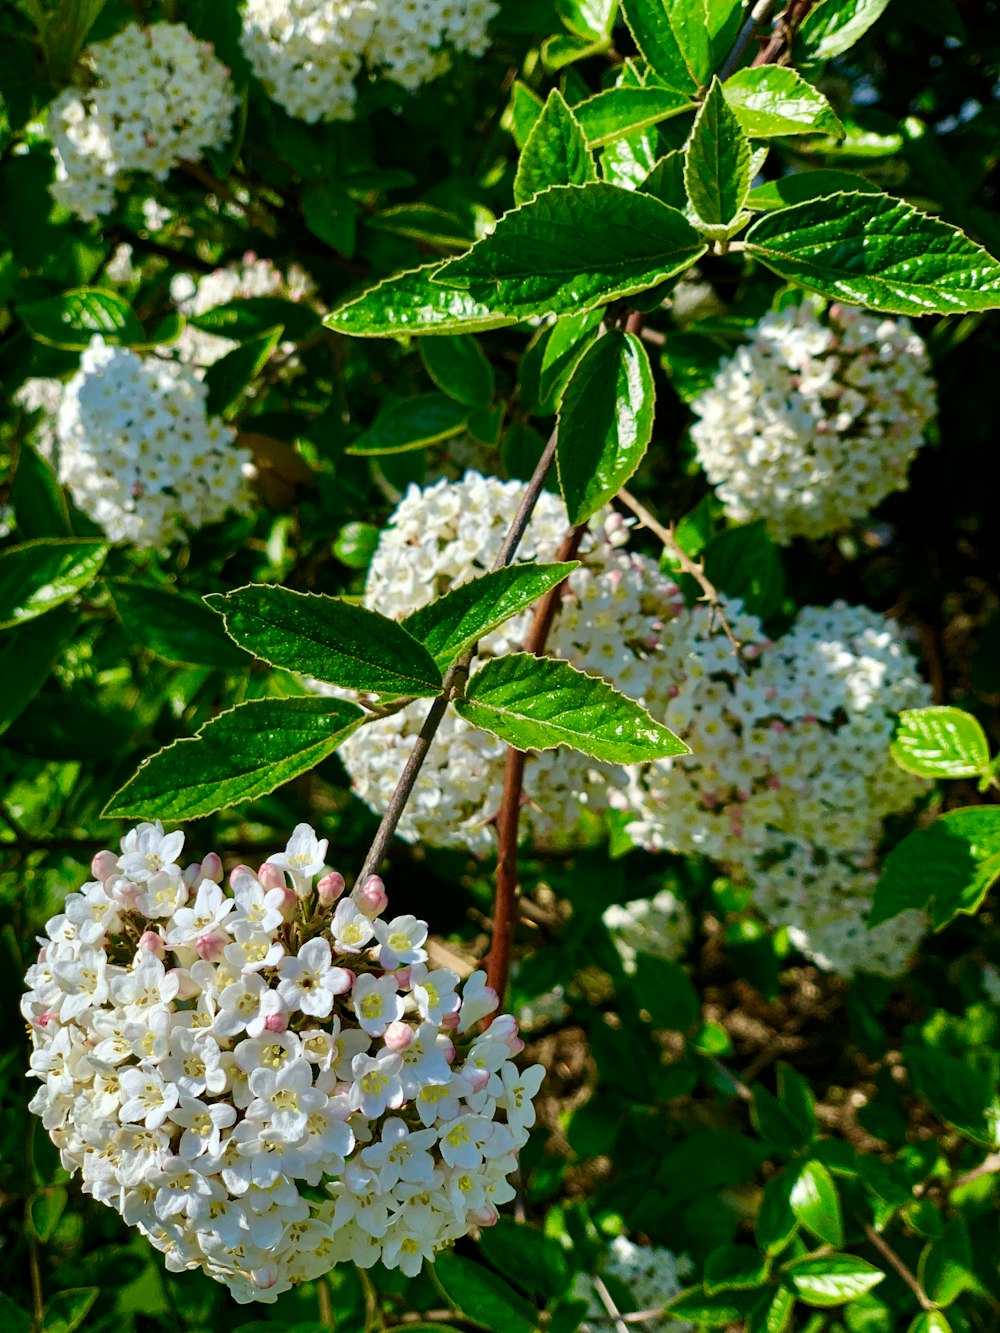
(609, 1305)
(893, 1259)
(752, 25)
(778, 48)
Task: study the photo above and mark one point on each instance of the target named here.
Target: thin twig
(609, 1305)
(374, 1320)
(325, 1304)
(758, 16)
(37, 1291)
(892, 1258)
(694, 568)
(989, 1167)
(778, 49)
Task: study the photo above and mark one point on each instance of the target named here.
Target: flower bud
(330, 887)
(487, 1216)
(104, 865)
(371, 897)
(398, 1036)
(289, 902)
(451, 1021)
(276, 1023)
(152, 942)
(238, 872)
(192, 874)
(210, 946)
(271, 876)
(211, 868)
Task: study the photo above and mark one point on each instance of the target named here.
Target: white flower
(209, 911)
(401, 940)
(309, 981)
(661, 926)
(653, 1275)
(304, 853)
(203, 1125)
(147, 851)
(351, 928)
(376, 1084)
(377, 1003)
(147, 1099)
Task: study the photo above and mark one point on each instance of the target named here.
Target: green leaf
(27, 655)
(424, 223)
(772, 100)
(44, 1211)
(485, 1299)
(960, 1092)
(330, 639)
(175, 627)
(876, 251)
(230, 375)
(251, 316)
(666, 181)
(605, 422)
(802, 186)
(941, 743)
(412, 303)
(40, 575)
(774, 1122)
(556, 152)
(574, 247)
(717, 167)
(944, 869)
(698, 1306)
(522, 114)
(775, 1314)
(931, 1322)
(673, 36)
(833, 27)
(664, 990)
(814, 1202)
(459, 367)
(834, 1279)
(38, 499)
(776, 1223)
(236, 757)
(588, 18)
(331, 214)
(946, 1268)
(451, 624)
(411, 424)
(618, 112)
(355, 544)
(535, 1262)
(549, 361)
(796, 1098)
(71, 320)
(745, 563)
(67, 1310)
(14, 1319)
(735, 1268)
(538, 703)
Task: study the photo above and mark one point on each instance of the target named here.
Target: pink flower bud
(476, 1077)
(189, 988)
(263, 1278)
(211, 868)
(192, 874)
(289, 903)
(398, 1036)
(447, 1049)
(125, 893)
(451, 1021)
(237, 871)
(330, 887)
(487, 1216)
(152, 942)
(404, 978)
(505, 1027)
(104, 865)
(43, 1020)
(351, 979)
(210, 946)
(372, 898)
(271, 876)
(276, 1022)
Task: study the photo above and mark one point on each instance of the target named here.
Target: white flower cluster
(138, 451)
(271, 1080)
(307, 53)
(814, 422)
(653, 1277)
(613, 610)
(150, 98)
(661, 926)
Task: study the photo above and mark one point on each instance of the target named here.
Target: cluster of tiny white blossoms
(147, 99)
(661, 926)
(270, 1080)
(138, 451)
(652, 1276)
(815, 421)
(614, 606)
(308, 53)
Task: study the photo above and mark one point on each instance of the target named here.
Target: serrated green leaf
(699, 1306)
(717, 167)
(333, 640)
(27, 655)
(575, 247)
(236, 757)
(44, 1211)
(605, 423)
(67, 1310)
(556, 152)
(454, 622)
(522, 114)
(735, 1268)
(484, 1298)
(411, 424)
(666, 181)
(878, 252)
(460, 368)
(834, 1279)
(175, 627)
(944, 869)
(412, 303)
(833, 26)
(548, 363)
(40, 575)
(618, 112)
(815, 1203)
(588, 18)
(673, 36)
(803, 186)
(772, 100)
(941, 743)
(538, 703)
(71, 320)
(232, 373)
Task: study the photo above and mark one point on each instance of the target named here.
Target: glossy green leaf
(944, 869)
(605, 422)
(933, 1321)
(947, 1268)
(774, 1314)
(735, 1268)
(250, 316)
(833, 26)
(67, 1310)
(27, 655)
(531, 1260)
(618, 112)
(814, 1202)
(451, 624)
(556, 152)
(44, 1211)
(411, 424)
(39, 500)
(548, 363)
(459, 367)
(483, 1297)
(745, 562)
(834, 1279)
(666, 180)
(236, 757)
(71, 320)
(673, 35)
(175, 627)
(231, 374)
(588, 18)
(538, 703)
(330, 639)
(523, 110)
(717, 167)
(40, 575)
(575, 247)
(803, 186)
(878, 252)
(412, 303)
(776, 1223)
(774, 100)
(941, 743)
(699, 1306)
(961, 1092)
